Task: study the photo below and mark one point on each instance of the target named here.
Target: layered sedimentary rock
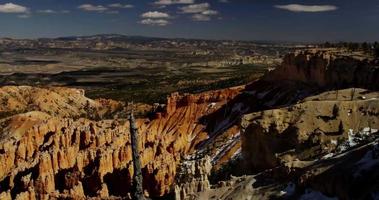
(56, 101)
(51, 156)
(48, 151)
(305, 122)
(293, 114)
(307, 130)
(192, 177)
(314, 128)
(326, 70)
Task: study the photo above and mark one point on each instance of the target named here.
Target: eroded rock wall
(305, 130)
(47, 156)
(326, 70)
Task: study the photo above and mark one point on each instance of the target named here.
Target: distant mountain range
(138, 38)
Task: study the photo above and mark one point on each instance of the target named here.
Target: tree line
(369, 48)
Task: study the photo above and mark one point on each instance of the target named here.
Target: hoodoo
(298, 125)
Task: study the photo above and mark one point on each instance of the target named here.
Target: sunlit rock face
(308, 130)
(51, 155)
(55, 101)
(327, 70)
(192, 177)
(309, 105)
(56, 143)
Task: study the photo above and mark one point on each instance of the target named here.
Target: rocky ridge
(308, 109)
(52, 156)
(281, 119)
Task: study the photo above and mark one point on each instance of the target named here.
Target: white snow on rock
(221, 151)
(212, 105)
(327, 156)
(351, 138)
(356, 138)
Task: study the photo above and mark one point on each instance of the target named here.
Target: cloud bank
(155, 22)
(201, 11)
(155, 14)
(172, 2)
(12, 8)
(155, 18)
(93, 8)
(307, 8)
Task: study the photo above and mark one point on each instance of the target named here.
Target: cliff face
(302, 128)
(192, 178)
(50, 156)
(62, 102)
(326, 70)
(307, 130)
(48, 151)
(303, 103)
(315, 129)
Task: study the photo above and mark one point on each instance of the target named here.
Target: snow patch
(226, 147)
(327, 156)
(356, 138)
(351, 138)
(212, 105)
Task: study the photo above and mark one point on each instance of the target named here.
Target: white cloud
(204, 16)
(172, 2)
(307, 8)
(47, 11)
(13, 8)
(195, 8)
(93, 8)
(200, 17)
(155, 22)
(210, 12)
(155, 18)
(119, 5)
(201, 11)
(24, 16)
(155, 15)
(50, 11)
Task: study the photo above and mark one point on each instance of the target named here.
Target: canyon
(307, 127)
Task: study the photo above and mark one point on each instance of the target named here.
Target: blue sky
(279, 20)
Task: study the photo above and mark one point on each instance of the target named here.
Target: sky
(274, 20)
